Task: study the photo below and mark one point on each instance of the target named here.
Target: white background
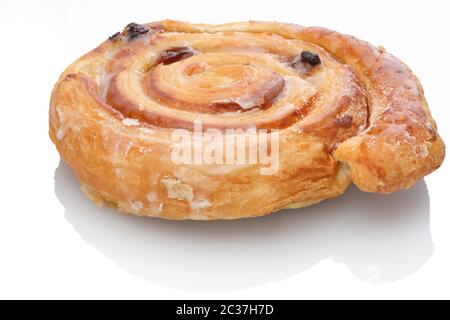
(55, 244)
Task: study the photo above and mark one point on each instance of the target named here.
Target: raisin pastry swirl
(345, 111)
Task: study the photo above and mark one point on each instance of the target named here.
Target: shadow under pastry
(380, 238)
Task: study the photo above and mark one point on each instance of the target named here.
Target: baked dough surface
(360, 116)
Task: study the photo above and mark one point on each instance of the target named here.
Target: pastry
(204, 122)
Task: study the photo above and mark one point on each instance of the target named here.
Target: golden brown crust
(360, 116)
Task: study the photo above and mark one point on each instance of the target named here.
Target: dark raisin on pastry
(115, 36)
(173, 55)
(306, 58)
(134, 30)
(310, 58)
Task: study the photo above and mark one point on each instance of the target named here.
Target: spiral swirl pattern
(346, 111)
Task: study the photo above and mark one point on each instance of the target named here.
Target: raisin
(310, 58)
(115, 36)
(134, 30)
(175, 54)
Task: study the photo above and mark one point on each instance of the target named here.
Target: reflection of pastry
(335, 109)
